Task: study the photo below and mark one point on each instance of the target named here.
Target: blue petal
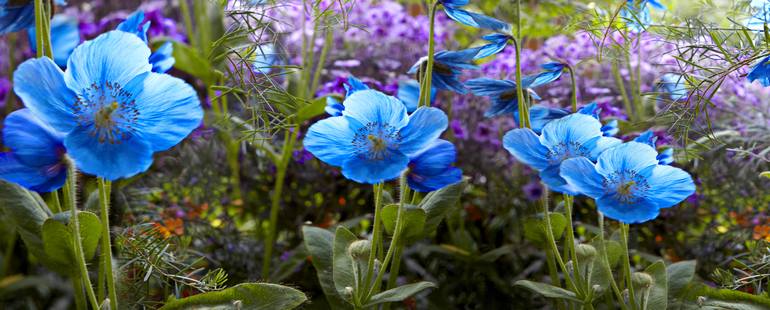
(461, 58)
(676, 86)
(115, 57)
(525, 145)
(551, 178)
(169, 109)
(40, 85)
(599, 144)
(15, 18)
(12, 170)
(666, 157)
(434, 159)
(540, 116)
(498, 43)
(133, 24)
(629, 156)
(331, 140)
(131, 156)
(455, 3)
(264, 58)
(476, 20)
(611, 128)
(578, 128)
(590, 109)
(409, 93)
(552, 73)
(449, 176)
(371, 106)
(65, 37)
(581, 174)
(333, 106)
(354, 85)
(372, 171)
(162, 59)
(33, 142)
(648, 137)
(669, 186)
(490, 87)
(629, 213)
(761, 72)
(448, 82)
(425, 126)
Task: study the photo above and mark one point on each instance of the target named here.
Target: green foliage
(319, 243)
(58, 240)
(548, 291)
(189, 60)
(27, 212)
(399, 293)
(438, 204)
(414, 219)
(243, 296)
(534, 228)
(344, 267)
(657, 296)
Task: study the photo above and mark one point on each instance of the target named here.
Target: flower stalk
(426, 84)
(105, 188)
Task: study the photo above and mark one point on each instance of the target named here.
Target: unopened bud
(360, 249)
(642, 279)
(585, 251)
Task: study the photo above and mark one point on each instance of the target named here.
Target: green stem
(184, 6)
(105, 187)
(627, 265)
(290, 136)
(47, 12)
(56, 203)
(39, 31)
(622, 88)
(77, 286)
(77, 242)
(8, 254)
(606, 264)
(394, 242)
(554, 275)
(570, 238)
(425, 89)
(524, 120)
(329, 41)
(552, 243)
(574, 100)
(376, 235)
(640, 107)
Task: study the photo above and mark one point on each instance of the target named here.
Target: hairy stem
(105, 187)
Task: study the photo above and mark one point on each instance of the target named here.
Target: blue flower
(761, 17)
(264, 58)
(502, 94)
(333, 106)
(637, 14)
(498, 42)
(15, 17)
(627, 182)
(447, 67)
(675, 85)
(374, 138)
(574, 135)
(432, 168)
(454, 11)
(162, 59)
(65, 36)
(761, 72)
(610, 129)
(114, 111)
(552, 72)
(409, 93)
(539, 116)
(36, 157)
(648, 137)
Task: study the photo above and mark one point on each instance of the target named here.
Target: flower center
(628, 186)
(565, 150)
(108, 111)
(374, 141)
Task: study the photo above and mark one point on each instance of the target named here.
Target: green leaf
(311, 110)
(256, 296)
(548, 291)
(438, 203)
(399, 293)
(27, 212)
(414, 218)
(343, 264)
(765, 174)
(57, 237)
(680, 274)
(493, 255)
(319, 243)
(534, 228)
(188, 59)
(658, 297)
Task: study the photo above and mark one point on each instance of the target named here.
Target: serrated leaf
(343, 264)
(256, 296)
(319, 243)
(680, 274)
(548, 291)
(399, 293)
(413, 216)
(438, 203)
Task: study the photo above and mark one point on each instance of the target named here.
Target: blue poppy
(627, 182)
(432, 168)
(675, 85)
(648, 137)
(333, 106)
(264, 58)
(539, 116)
(36, 157)
(162, 59)
(409, 93)
(114, 111)
(761, 72)
(761, 17)
(15, 17)
(374, 138)
(551, 72)
(502, 94)
(447, 67)
(65, 37)
(498, 42)
(637, 14)
(454, 11)
(571, 136)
